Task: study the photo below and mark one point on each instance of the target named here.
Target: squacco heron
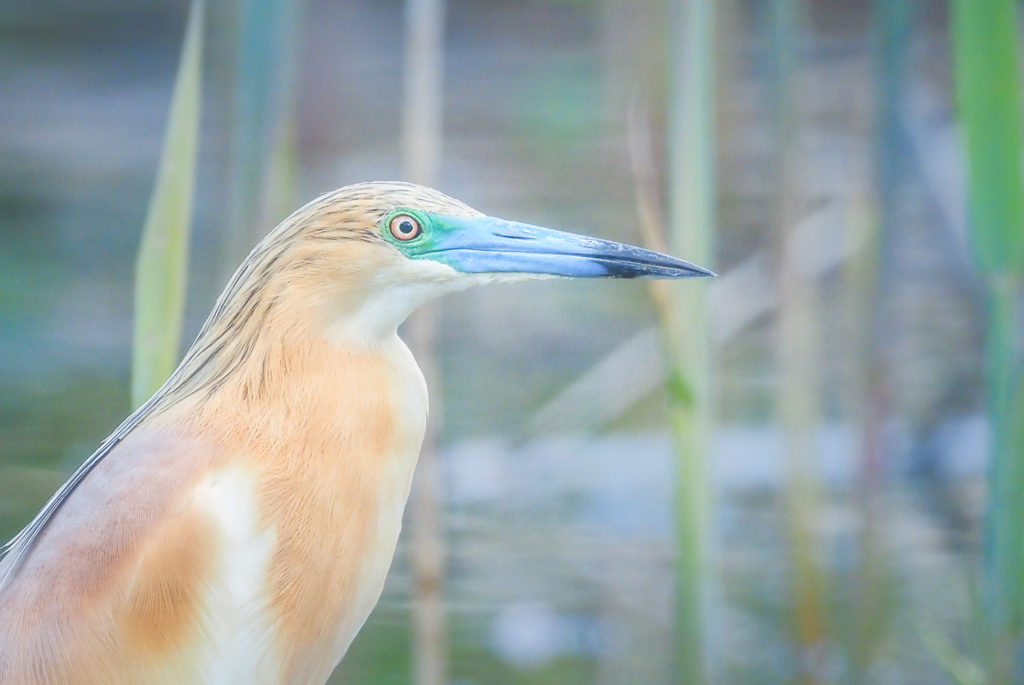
(238, 527)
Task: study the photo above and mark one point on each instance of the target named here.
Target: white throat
(395, 297)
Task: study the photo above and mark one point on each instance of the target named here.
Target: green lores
(488, 245)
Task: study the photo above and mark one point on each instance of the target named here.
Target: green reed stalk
(987, 80)
(691, 197)
(799, 356)
(161, 269)
(263, 163)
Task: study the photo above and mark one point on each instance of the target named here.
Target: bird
(239, 525)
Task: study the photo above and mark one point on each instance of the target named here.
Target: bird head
(369, 254)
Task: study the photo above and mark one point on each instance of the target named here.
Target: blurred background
(775, 476)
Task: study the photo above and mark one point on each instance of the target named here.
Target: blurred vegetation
(840, 442)
(161, 269)
(683, 318)
(988, 98)
(262, 150)
(799, 349)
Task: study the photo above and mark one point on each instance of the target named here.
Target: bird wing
(15, 551)
(151, 572)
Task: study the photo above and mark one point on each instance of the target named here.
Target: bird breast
(305, 499)
(334, 468)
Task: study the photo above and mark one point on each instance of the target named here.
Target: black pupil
(406, 227)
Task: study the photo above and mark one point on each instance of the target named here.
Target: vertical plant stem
(161, 268)
(798, 350)
(691, 201)
(423, 90)
(421, 154)
(262, 149)
(988, 97)
(1005, 540)
(863, 384)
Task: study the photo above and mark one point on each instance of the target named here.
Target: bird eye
(405, 227)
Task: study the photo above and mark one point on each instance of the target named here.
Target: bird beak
(489, 245)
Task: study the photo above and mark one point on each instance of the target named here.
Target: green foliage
(988, 92)
(960, 668)
(691, 163)
(161, 271)
(988, 97)
(381, 653)
(263, 155)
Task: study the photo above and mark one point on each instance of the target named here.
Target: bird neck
(373, 321)
(282, 386)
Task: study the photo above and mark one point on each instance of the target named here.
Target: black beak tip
(689, 270)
